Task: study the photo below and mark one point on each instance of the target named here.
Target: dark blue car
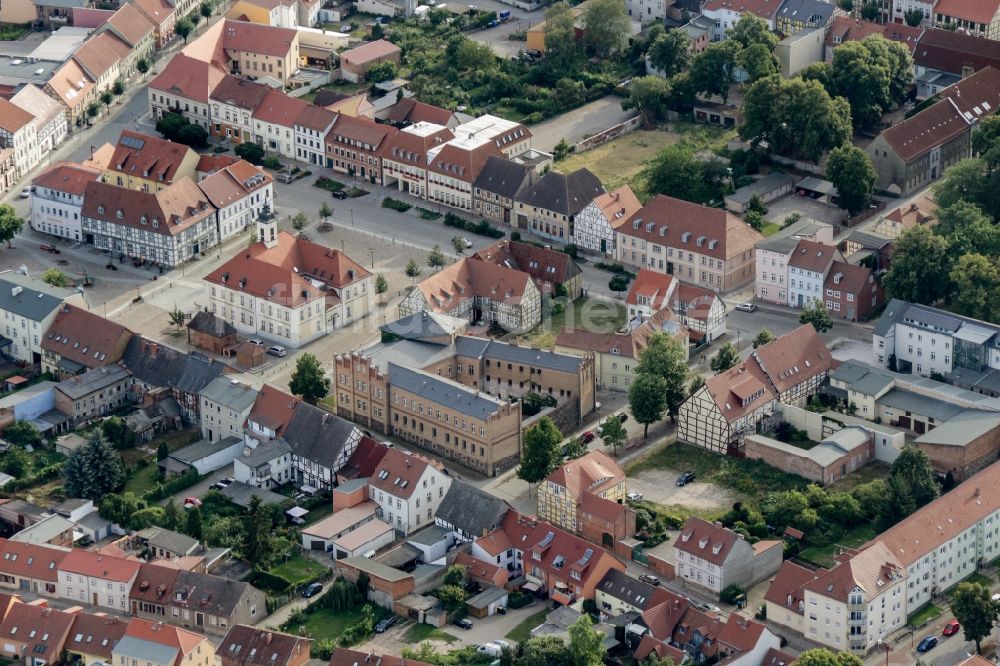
(927, 644)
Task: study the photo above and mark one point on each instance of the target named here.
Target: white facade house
(225, 405)
(51, 126)
(511, 138)
(596, 223)
(311, 128)
(268, 465)
(240, 192)
(18, 132)
(408, 489)
(57, 199)
(98, 580)
(27, 308)
(808, 266)
(772, 256)
(274, 123)
(899, 8)
(647, 11)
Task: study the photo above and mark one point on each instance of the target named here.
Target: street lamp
(371, 252)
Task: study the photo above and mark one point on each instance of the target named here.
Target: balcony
(562, 596)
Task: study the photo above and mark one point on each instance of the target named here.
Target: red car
(951, 628)
(587, 437)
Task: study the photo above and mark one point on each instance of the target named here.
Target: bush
(517, 599)
(396, 204)
(172, 487)
(731, 593)
(269, 582)
(271, 162)
(328, 184)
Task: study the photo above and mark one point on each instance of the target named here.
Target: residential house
(404, 158)
(510, 138)
(184, 87)
(74, 89)
(78, 340)
(27, 310)
(274, 122)
(916, 213)
(93, 394)
(131, 25)
(148, 163)
(549, 207)
(93, 637)
(30, 568)
(50, 120)
(249, 646)
(596, 224)
(99, 580)
(845, 29)
(796, 15)
(270, 414)
(243, 48)
(765, 189)
(348, 657)
(647, 11)
(618, 593)
(774, 252)
(321, 534)
(311, 129)
(723, 412)
(552, 560)
(453, 168)
(159, 371)
(478, 291)
(700, 311)
(554, 273)
(321, 444)
(727, 14)
(976, 18)
(19, 132)
(34, 633)
(163, 15)
(354, 146)
(706, 247)
(241, 193)
(410, 111)
(785, 596)
(899, 10)
(225, 406)
(199, 601)
(915, 152)
(57, 199)
(499, 182)
(808, 266)
(586, 496)
(362, 462)
(713, 557)
(167, 228)
(468, 512)
(280, 13)
(289, 289)
(408, 488)
(615, 355)
(355, 63)
(265, 466)
(233, 101)
(158, 644)
(852, 292)
(649, 293)
(944, 58)
(101, 58)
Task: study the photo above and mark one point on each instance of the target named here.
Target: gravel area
(659, 487)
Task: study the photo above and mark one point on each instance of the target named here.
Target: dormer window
(100, 210)
(142, 220)
(119, 214)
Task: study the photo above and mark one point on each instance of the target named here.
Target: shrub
(731, 593)
(269, 582)
(396, 204)
(271, 162)
(173, 486)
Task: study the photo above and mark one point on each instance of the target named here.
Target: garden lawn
(325, 623)
(925, 614)
(418, 633)
(143, 480)
(522, 632)
(770, 228)
(823, 555)
(609, 316)
(299, 569)
(617, 162)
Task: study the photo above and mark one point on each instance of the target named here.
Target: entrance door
(199, 619)
(94, 603)
(604, 245)
(800, 300)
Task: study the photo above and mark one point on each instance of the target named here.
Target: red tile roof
(86, 338)
(187, 77)
(362, 130)
(794, 357)
(211, 163)
(348, 657)
(239, 92)
(545, 266)
(853, 278)
(280, 109)
(234, 183)
(812, 256)
(480, 569)
(316, 118)
(706, 540)
(461, 162)
(741, 633)
(95, 634)
(870, 569)
(470, 278)
(740, 390)
(170, 211)
(978, 11)
(148, 157)
(41, 629)
(848, 29)
(606, 343)
(153, 584)
(87, 563)
(28, 560)
(250, 646)
(952, 51)
(257, 38)
(592, 473)
(131, 24)
(655, 287)
(618, 205)
(765, 9)
(99, 53)
(365, 460)
(156, 11)
(165, 634)
(67, 177)
(776, 657)
(409, 110)
(398, 472)
(13, 117)
(277, 273)
(786, 588)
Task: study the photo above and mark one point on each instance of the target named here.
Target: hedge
(396, 204)
(269, 582)
(173, 486)
(482, 228)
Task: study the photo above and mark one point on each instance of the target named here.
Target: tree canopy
(540, 451)
(308, 379)
(677, 172)
(94, 470)
(851, 171)
(975, 610)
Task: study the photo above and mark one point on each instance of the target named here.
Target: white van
(491, 649)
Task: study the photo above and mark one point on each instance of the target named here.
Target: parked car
(256, 341)
(191, 501)
(286, 178)
(276, 350)
(685, 478)
(312, 589)
(339, 194)
(928, 644)
(491, 649)
(623, 417)
(464, 623)
(502, 643)
(649, 578)
(466, 243)
(709, 608)
(587, 437)
(25, 193)
(634, 497)
(746, 307)
(951, 628)
(384, 624)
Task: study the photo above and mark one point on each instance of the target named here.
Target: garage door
(317, 544)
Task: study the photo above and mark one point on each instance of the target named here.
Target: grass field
(870, 472)
(299, 569)
(419, 633)
(770, 228)
(522, 632)
(824, 554)
(143, 480)
(619, 161)
(583, 313)
(925, 614)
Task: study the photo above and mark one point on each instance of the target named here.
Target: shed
(768, 188)
(206, 456)
(486, 602)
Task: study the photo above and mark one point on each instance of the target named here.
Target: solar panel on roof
(133, 142)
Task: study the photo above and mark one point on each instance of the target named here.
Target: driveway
(784, 206)
(578, 124)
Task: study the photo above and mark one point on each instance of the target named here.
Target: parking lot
(659, 487)
(781, 208)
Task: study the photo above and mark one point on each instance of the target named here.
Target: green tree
(851, 170)
(918, 266)
(177, 317)
(192, 524)
(647, 399)
(193, 135)
(665, 356)
(754, 219)
(10, 224)
(142, 65)
(452, 597)
(677, 172)
(412, 270)
(93, 109)
(381, 285)
(458, 243)
(975, 611)
(94, 470)
(670, 53)
(575, 448)
(606, 26)
(55, 277)
(206, 9)
(119, 509)
(751, 30)
(250, 152)
(586, 644)
(561, 48)
(106, 98)
(712, 70)
(648, 95)
(258, 547)
(308, 379)
(436, 258)
(170, 124)
(118, 88)
(914, 471)
(821, 72)
(762, 338)
(455, 575)
(872, 75)
(959, 216)
(563, 149)
(975, 288)
(758, 61)
(613, 433)
(171, 515)
(22, 433)
(117, 433)
(543, 651)
(824, 657)
(815, 313)
(300, 221)
(325, 211)
(162, 451)
(725, 358)
(913, 17)
(184, 28)
(540, 451)
(16, 462)
(696, 383)
(146, 517)
(384, 71)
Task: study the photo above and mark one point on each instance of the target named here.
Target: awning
(297, 512)
(531, 586)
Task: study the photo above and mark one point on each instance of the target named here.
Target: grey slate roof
(34, 299)
(892, 315)
(231, 393)
(786, 239)
(189, 373)
(763, 185)
(145, 651)
(410, 353)
(470, 509)
(566, 194)
(240, 493)
(423, 324)
(923, 405)
(932, 317)
(211, 593)
(502, 177)
(317, 435)
(92, 380)
(443, 391)
(265, 453)
(631, 590)
(168, 540)
(967, 426)
(540, 358)
(207, 322)
(862, 377)
(807, 11)
(198, 450)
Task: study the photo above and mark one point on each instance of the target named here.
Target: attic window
(384, 474)
(703, 542)
(685, 236)
(142, 220)
(119, 214)
(100, 210)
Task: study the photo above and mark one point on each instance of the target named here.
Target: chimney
(268, 638)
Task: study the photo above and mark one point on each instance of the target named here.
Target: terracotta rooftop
(95, 634)
(66, 177)
(257, 38)
(239, 92)
(189, 78)
(470, 278)
(156, 11)
(87, 563)
(410, 110)
(99, 53)
(170, 211)
(812, 256)
(349, 657)
(85, 338)
(593, 473)
(606, 343)
(740, 390)
(794, 357)
(12, 117)
(131, 24)
(952, 51)
(870, 569)
(233, 183)
(370, 51)
(30, 561)
(273, 409)
(977, 11)
(71, 83)
(655, 288)
(253, 646)
(361, 130)
(280, 109)
(149, 157)
(547, 267)
(706, 540)
(398, 472)
(618, 205)
(786, 588)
